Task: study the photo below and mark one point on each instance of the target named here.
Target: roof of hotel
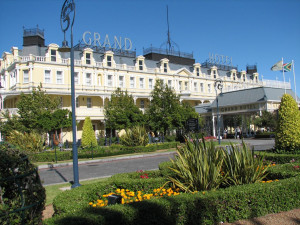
(246, 96)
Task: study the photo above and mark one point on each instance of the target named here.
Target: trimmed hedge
(279, 158)
(100, 152)
(265, 135)
(227, 205)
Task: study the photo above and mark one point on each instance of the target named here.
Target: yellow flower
(91, 203)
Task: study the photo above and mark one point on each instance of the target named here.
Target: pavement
(106, 167)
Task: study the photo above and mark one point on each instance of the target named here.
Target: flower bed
(228, 204)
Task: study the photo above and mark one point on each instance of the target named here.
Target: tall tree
(121, 112)
(287, 136)
(165, 111)
(88, 134)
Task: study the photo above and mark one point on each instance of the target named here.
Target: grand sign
(95, 40)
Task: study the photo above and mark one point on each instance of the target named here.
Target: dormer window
(88, 58)
(141, 65)
(53, 55)
(256, 79)
(198, 72)
(165, 67)
(234, 76)
(244, 77)
(215, 74)
(109, 60)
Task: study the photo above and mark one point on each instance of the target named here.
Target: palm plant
(197, 166)
(242, 166)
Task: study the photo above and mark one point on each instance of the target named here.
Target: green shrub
(28, 142)
(279, 158)
(288, 129)
(265, 135)
(242, 167)
(88, 134)
(197, 166)
(135, 136)
(22, 194)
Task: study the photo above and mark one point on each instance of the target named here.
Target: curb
(50, 166)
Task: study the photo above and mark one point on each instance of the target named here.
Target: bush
(197, 166)
(136, 136)
(22, 194)
(227, 205)
(88, 134)
(242, 167)
(288, 129)
(27, 142)
(279, 158)
(265, 135)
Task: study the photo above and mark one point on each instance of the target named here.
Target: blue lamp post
(218, 86)
(66, 19)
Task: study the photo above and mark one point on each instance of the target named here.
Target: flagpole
(294, 82)
(283, 76)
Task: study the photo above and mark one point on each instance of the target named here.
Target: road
(121, 165)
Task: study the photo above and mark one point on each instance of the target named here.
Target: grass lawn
(53, 190)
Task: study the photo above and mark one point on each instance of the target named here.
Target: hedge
(265, 135)
(99, 152)
(227, 205)
(279, 158)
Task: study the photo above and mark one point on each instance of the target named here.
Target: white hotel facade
(100, 70)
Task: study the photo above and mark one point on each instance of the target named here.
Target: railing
(40, 58)
(276, 84)
(166, 52)
(64, 61)
(99, 64)
(25, 58)
(77, 62)
(132, 68)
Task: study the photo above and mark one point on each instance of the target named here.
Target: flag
(277, 66)
(287, 67)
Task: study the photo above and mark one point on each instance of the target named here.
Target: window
(47, 76)
(195, 86)
(180, 85)
(59, 77)
(165, 67)
(25, 76)
(132, 82)
(169, 83)
(53, 55)
(256, 79)
(209, 88)
(77, 102)
(108, 59)
(234, 76)
(89, 102)
(76, 80)
(88, 58)
(121, 81)
(109, 81)
(244, 77)
(198, 72)
(88, 79)
(186, 85)
(215, 74)
(162, 81)
(150, 83)
(201, 87)
(141, 82)
(142, 104)
(141, 65)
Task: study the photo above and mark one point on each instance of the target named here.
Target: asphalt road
(101, 169)
(106, 169)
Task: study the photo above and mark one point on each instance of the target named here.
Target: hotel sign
(220, 59)
(94, 39)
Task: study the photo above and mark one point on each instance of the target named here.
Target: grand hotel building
(99, 71)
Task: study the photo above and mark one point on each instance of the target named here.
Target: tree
(31, 108)
(165, 111)
(88, 138)
(267, 119)
(121, 112)
(287, 136)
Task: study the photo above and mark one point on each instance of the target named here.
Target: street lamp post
(66, 19)
(218, 86)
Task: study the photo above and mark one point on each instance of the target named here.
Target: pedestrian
(238, 132)
(225, 133)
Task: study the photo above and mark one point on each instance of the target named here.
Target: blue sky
(251, 32)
